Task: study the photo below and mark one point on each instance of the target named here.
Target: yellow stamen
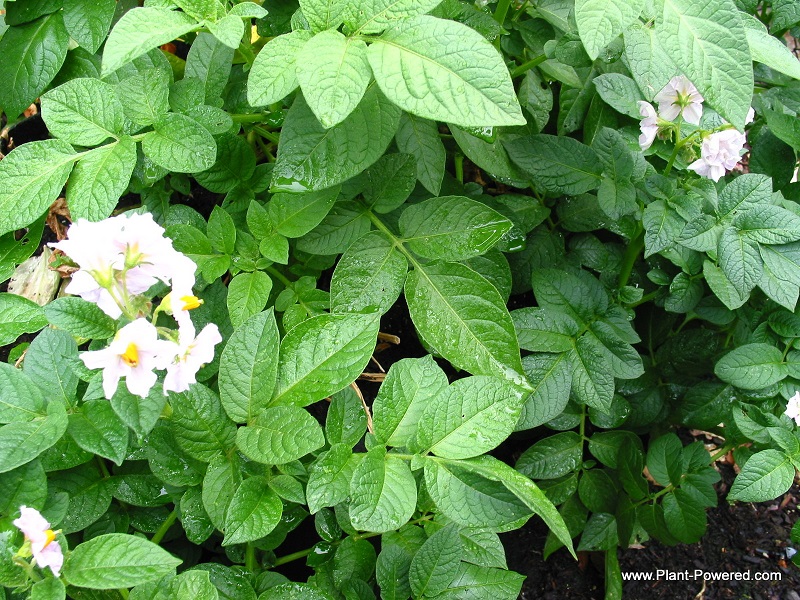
(131, 355)
(190, 302)
(50, 535)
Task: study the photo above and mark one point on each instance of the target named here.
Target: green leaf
(601, 21)
(209, 60)
(373, 16)
(144, 96)
(600, 533)
(383, 492)
(117, 560)
(436, 563)
(235, 165)
(771, 51)
(322, 355)
(371, 273)
(551, 378)
(179, 143)
(333, 73)
(254, 511)
(540, 330)
(247, 295)
(391, 572)
(552, 457)
(88, 22)
(419, 66)
(483, 548)
(89, 495)
(465, 319)
(48, 361)
(19, 315)
(722, 286)
(83, 111)
(420, 138)
(48, 589)
(140, 414)
(33, 175)
(294, 215)
(273, 74)
(452, 228)
(100, 178)
(765, 476)
(705, 42)
(139, 31)
(405, 392)
(739, 259)
(32, 55)
(323, 14)
(685, 517)
(344, 225)
(98, 429)
(280, 434)
(228, 31)
(15, 251)
(619, 92)
(311, 157)
(743, 193)
(329, 477)
(221, 480)
(199, 9)
(481, 583)
(752, 366)
(193, 585)
(390, 181)
(768, 224)
(649, 64)
(664, 459)
(558, 164)
(221, 232)
(200, 425)
(470, 417)
(21, 399)
(592, 377)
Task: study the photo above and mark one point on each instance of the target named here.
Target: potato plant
(253, 186)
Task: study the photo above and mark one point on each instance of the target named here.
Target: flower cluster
(119, 259)
(720, 151)
(793, 408)
(40, 540)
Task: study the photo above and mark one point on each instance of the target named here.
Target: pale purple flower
(720, 152)
(134, 353)
(680, 97)
(793, 408)
(192, 354)
(648, 125)
(44, 547)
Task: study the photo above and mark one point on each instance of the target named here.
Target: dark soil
(742, 538)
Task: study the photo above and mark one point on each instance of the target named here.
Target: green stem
(527, 66)
(250, 558)
(721, 452)
(459, 161)
(631, 254)
(501, 11)
(123, 592)
(102, 466)
(249, 118)
(280, 277)
(644, 299)
(272, 137)
(162, 531)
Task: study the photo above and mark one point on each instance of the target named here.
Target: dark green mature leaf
(329, 477)
(420, 66)
(200, 425)
(20, 398)
(280, 434)
(752, 366)
(254, 511)
(181, 144)
(766, 475)
(249, 367)
(593, 378)
(389, 182)
(558, 164)
(684, 515)
(322, 355)
(551, 378)
(552, 457)
(452, 228)
(383, 492)
(32, 55)
(482, 583)
(48, 363)
(705, 42)
(117, 560)
(19, 315)
(88, 21)
(223, 476)
(420, 138)
(80, 318)
(33, 175)
(311, 157)
(465, 319)
(436, 563)
(83, 111)
(98, 429)
(664, 459)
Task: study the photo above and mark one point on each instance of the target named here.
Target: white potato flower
(680, 97)
(44, 547)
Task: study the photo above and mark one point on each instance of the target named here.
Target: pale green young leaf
(248, 366)
(766, 475)
(280, 434)
(346, 421)
(464, 318)
(329, 477)
(470, 417)
(254, 511)
(221, 231)
(311, 157)
(772, 52)
(739, 259)
(21, 442)
(322, 355)
(20, 398)
(705, 42)
(420, 138)
(19, 315)
(97, 429)
(783, 261)
(373, 16)
(620, 92)
(333, 73)
(193, 585)
(558, 164)
(405, 392)
(117, 560)
(436, 563)
(383, 492)
(649, 64)
(209, 60)
(198, 9)
(48, 589)
(144, 96)
(452, 228)
(199, 423)
(179, 143)
(80, 318)
(752, 366)
(100, 178)
(551, 378)
(600, 21)
(445, 71)
(83, 111)
(248, 10)
(768, 224)
(247, 295)
(371, 273)
(139, 31)
(32, 55)
(722, 287)
(88, 21)
(228, 31)
(324, 14)
(33, 175)
(295, 214)
(273, 74)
